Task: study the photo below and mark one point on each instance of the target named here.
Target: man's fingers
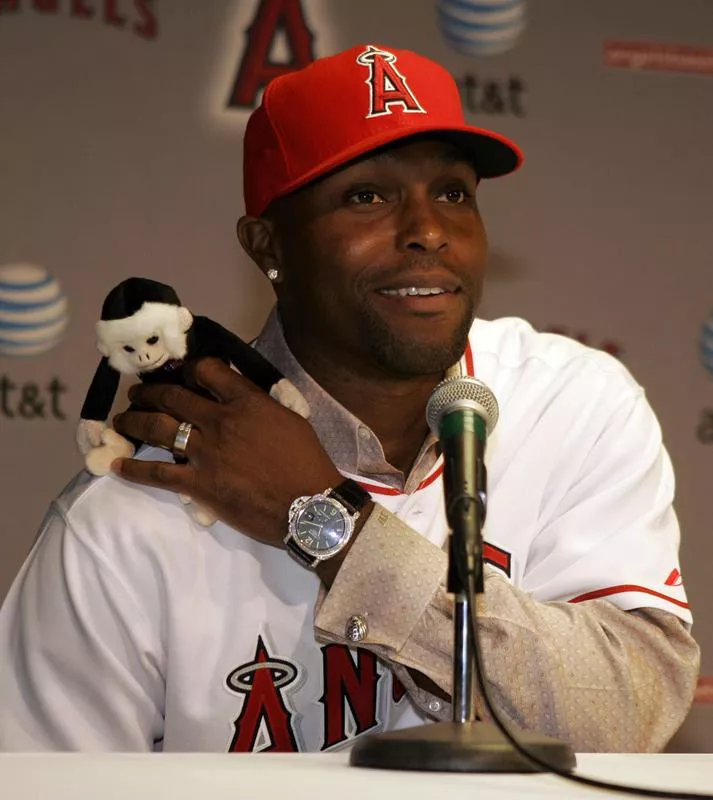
(160, 474)
(224, 383)
(156, 428)
(176, 401)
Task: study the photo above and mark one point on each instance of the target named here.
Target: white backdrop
(121, 156)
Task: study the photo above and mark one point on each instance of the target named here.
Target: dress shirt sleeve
(80, 669)
(602, 678)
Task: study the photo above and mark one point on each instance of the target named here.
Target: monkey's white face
(147, 340)
(144, 353)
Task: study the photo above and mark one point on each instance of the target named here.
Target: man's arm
(600, 676)
(78, 671)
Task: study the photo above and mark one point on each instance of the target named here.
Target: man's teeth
(413, 291)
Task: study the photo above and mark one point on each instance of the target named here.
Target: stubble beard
(411, 357)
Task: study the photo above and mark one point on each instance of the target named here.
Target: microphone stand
(464, 744)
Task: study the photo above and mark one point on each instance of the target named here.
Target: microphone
(462, 412)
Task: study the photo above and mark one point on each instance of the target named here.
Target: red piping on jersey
(469, 363)
(438, 470)
(704, 690)
(498, 557)
(625, 587)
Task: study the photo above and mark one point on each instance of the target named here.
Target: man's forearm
(601, 678)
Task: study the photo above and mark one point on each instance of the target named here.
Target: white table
(314, 776)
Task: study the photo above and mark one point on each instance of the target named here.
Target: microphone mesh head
(462, 391)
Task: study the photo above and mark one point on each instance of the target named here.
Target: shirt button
(356, 628)
(434, 706)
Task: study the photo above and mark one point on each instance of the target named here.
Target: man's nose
(422, 227)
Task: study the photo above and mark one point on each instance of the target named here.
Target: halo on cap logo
(481, 27)
(33, 310)
(706, 345)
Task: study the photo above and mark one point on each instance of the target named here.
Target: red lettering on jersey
(387, 86)
(674, 579)
(398, 690)
(148, 27)
(262, 680)
(497, 557)
(256, 68)
(50, 6)
(8, 5)
(347, 682)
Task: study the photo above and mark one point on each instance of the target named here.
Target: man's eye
(455, 196)
(365, 197)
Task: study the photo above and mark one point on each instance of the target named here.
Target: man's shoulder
(508, 347)
(97, 508)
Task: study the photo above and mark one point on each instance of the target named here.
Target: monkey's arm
(102, 392)
(212, 339)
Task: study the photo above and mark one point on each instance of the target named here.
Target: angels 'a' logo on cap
(387, 86)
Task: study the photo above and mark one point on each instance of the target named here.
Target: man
(130, 628)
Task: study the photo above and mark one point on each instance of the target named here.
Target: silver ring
(181, 441)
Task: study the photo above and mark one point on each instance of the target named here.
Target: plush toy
(145, 331)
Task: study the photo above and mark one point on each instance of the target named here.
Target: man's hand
(248, 457)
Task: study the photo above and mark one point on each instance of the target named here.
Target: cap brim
(491, 154)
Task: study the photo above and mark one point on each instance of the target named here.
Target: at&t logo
(485, 28)
(33, 318)
(706, 345)
(481, 27)
(705, 349)
(33, 310)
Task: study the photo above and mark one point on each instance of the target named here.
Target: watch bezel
(298, 508)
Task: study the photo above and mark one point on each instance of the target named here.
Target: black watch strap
(297, 552)
(351, 495)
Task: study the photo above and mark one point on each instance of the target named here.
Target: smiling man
(315, 610)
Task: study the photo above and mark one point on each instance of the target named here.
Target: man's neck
(393, 408)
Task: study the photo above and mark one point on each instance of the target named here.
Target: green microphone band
(465, 420)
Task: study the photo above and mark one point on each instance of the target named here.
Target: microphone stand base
(458, 747)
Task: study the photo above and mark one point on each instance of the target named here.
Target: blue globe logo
(33, 310)
(706, 345)
(481, 27)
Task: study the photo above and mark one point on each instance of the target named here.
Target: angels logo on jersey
(387, 86)
(265, 722)
(355, 699)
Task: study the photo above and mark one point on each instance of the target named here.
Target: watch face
(321, 526)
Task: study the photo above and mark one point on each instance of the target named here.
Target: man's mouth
(414, 291)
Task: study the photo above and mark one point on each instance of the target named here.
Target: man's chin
(413, 357)
(416, 347)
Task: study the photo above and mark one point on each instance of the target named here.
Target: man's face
(382, 262)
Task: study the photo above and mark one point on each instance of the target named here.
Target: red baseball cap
(316, 119)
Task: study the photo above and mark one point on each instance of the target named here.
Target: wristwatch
(320, 525)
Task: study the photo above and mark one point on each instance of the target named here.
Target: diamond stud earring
(272, 274)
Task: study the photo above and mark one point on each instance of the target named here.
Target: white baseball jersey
(130, 628)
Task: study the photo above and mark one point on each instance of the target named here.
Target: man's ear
(258, 237)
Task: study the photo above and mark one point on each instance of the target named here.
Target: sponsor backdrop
(121, 155)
